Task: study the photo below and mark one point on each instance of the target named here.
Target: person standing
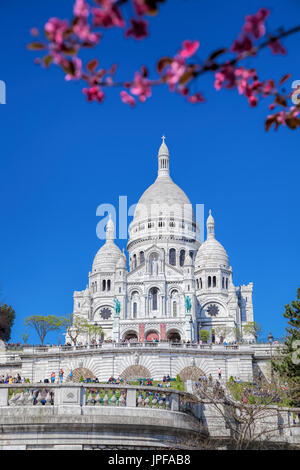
(61, 376)
(52, 377)
(220, 373)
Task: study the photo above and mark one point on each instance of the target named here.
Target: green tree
(44, 324)
(76, 326)
(7, 318)
(288, 365)
(252, 328)
(204, 335)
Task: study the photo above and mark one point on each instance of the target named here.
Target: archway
(190, 373)
(152, 336)
(81, 372)
(136, 372)
(173, 336)
(130, 336)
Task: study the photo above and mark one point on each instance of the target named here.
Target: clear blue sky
(61, 157)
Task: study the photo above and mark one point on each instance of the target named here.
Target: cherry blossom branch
(65, 40)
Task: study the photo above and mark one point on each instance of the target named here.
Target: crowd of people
(9, 379)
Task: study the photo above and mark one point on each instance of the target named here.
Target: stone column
(131, 398)
(3, 396)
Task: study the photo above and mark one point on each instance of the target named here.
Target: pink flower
(268, 87)
(225, 77)
(140, 7)
(127, 98)
(175, 71)
(196, 98)
(255, 24)
(243, 45)
(82, 30)
(108, 17)
(34, 32)
(94, 93)
(76, 75)
(141, 87)
(138, 29)
(189, 48)
(252, 100)
(81, 9)
(55, 29)
(276, 47)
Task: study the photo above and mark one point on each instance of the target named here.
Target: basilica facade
(170, 286)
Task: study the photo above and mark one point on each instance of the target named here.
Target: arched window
(142, 257)
(223, 286)
(182, 257)
(134, 309)
(103, 284)
(174, 308)
(108, 284)
(197, 282)
(154, 297)
(200, 283)
(134, 261)
(214, 281)
(96, 286)
(172, 257)
(209, 281)
(226, 283)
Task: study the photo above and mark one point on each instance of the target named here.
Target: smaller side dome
(211, 253)
(108, 255)
(122, 262)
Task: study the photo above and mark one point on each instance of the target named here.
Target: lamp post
(270, 339)
(191, 327)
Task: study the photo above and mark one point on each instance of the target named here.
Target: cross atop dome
(163, 159)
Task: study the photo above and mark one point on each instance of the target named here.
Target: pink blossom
(55, 29)
(189, 48)
(243, 45)
(94, 93)
(281, 117)
(225, 77)
(276, 47)
(34, 32)
(175, 71)
(252, 100)
(267, 87)
(141, 87)
(138, 29)
(82, 30)
(108, 17)
(77, 64)
(127, 98)
(255, 24)
(196, 98)
(81, 9)
(140, 7)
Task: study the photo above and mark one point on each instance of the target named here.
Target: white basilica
(175, 286)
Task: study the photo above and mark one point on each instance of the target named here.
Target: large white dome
(166, 195)
(163, 198)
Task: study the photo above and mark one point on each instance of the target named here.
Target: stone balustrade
(142, 345)
(95, 395)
